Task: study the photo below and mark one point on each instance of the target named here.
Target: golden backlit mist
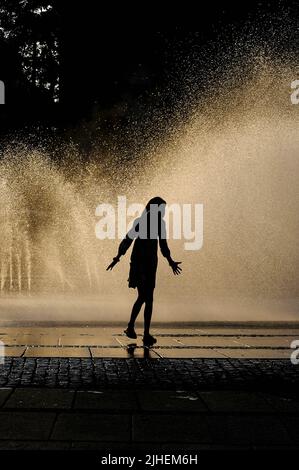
(238, 155)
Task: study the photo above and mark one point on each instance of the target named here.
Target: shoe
(130, 332)
(149, 340)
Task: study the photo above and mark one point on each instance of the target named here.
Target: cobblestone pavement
(200, 388)
(120, 405)
(172, 374)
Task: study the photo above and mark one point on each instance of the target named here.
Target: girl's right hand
(175, 267)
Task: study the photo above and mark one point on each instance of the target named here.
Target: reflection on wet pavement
(99, 341)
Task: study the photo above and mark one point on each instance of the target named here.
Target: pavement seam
(7, 398)
(53, 426)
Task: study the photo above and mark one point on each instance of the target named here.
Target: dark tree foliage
(30, 31)
(68, 66)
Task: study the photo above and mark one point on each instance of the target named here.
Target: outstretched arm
(123, 247)
(166, 252)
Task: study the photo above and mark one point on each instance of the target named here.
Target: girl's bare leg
(148, 310)
(136, 308)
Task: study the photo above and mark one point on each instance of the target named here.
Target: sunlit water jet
(238, 154)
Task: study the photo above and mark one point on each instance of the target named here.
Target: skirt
(142, 275)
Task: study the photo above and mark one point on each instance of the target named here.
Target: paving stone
(167, 448)
(90, 340)
(40, 398)
(15, 425)
(210, 341)
(4, 394)
(248, 430)
(109, 352)
(97, 426)
(164, 401)
(291, 424)
(34, 445)
(235, 401)
(284, 402)
(31, 339)
(227, 330)
(257, 353)
(171, 428)
(8, 340)
(188, 353)
(173, 331)
(100, 446)
(57, 352)
(273, 341)
(142, 353)
(167, 341)
(106, 400)
(13, 351)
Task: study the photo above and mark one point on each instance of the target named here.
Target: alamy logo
(295, 93)
(181, 221)
(295, 353)
(2, 92)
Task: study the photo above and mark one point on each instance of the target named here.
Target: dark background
(100, 75)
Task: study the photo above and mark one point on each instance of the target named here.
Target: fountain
(237, 154)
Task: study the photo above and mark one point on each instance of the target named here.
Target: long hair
(155, 201)
(150, 223)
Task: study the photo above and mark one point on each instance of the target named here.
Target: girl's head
(157, 202)
(150, 220)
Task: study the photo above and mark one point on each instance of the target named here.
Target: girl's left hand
(114, 262)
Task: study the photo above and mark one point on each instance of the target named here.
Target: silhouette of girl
(146, 231)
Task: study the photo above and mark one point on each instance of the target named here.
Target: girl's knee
(146, 296)
(141, 298)
(149, 298)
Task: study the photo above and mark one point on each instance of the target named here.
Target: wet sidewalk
(172, 342)
(199, 388)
